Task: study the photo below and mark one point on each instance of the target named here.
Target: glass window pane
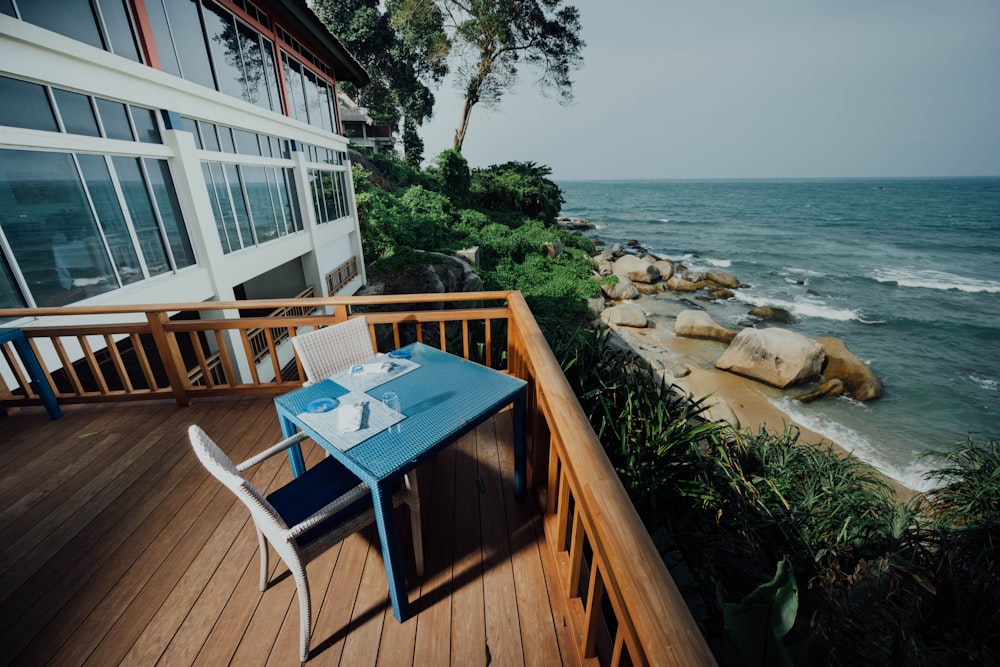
(255, 83)
(271, 74)
(7, 7)
(161, 34)
(114, 117)
(140, 209)
(210, 137)
(324, 106)
(76, 113)
(226, 143)
(191, 125)
(51, 229)
(293, 86)
(246, 142)
(292, 200)
(32, 110)
(312, 97)
(119, 27)
(213, 173)
(189, 42)
(225, 47)
(73, 19)
(259, 196)
(145, 125)
(239, 204)
(170, 211)
(109, 212)
(10, 293)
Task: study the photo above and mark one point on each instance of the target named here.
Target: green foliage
(515, 191)
(453, 172)
(422, 219)
(757, 623)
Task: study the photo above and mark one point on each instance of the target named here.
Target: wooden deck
(116, 547)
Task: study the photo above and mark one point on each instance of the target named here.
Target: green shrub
(517, 190)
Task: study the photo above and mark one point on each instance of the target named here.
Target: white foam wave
(720, 263)
(939, 280)
(663, 219)
(989, 384)
(910, 475)
(804, 308)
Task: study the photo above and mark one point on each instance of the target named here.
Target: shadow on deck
(117, 547)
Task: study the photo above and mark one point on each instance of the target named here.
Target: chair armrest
(328, 510)
(271, 451)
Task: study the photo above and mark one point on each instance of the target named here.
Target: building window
(329, 191)
(104, 24)
(74, 113)
(252, 204)
(309, 96)
(105, 223)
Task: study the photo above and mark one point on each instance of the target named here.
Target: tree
(494, 37)
(403, 46)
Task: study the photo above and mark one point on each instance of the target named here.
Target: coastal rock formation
(722, 279)
(575, 224)
(666, 268)
(829, 389)
(699, 324)
(769, 314)
(678, 284)
(624, 314)
(438, 274)
(777, 357)
(859, 380)
(636, 270)
(620, 290)
(552, 249)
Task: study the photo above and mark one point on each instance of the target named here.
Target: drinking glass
(391, 401)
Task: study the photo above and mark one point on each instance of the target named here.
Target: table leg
(42, 387)
(294, 453)
(520, 445)
(388, 535)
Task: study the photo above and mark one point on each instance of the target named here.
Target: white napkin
(349, 417)
(377, 367)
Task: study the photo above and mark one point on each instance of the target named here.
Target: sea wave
(939, 280)
(806, 308)
(911, 475)
(983, 382)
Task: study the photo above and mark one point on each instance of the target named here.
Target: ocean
(905, 271)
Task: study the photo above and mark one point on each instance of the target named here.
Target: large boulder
(777, 357)
(722, 279)
(666, 268)
(624, 314)
(771, 314)
(678, 284)
(859, 380)
(620, 290)
(636, 269)
(699, 324)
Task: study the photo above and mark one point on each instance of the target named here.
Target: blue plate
(322, 405)
(400, 354)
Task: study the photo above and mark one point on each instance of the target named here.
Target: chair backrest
(222, 468)
(334, 348)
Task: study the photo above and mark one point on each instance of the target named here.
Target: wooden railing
(624, 608)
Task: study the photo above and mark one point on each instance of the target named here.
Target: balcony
(120, 548)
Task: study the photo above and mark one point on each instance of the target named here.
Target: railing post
(170, 356)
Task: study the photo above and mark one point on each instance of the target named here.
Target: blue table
(442, 400)
(42, 388)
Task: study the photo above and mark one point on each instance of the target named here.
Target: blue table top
(441, 399)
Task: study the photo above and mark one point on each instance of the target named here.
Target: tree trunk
(463, 124)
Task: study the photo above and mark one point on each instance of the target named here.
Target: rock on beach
(777, 357)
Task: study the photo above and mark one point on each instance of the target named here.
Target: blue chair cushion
(320, 485)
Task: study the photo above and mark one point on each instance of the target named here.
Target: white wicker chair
(330, 350)
(302, 519)
(335, 348)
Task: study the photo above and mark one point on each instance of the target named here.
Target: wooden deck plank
(144, 558)
(503, 634)
(468, 622)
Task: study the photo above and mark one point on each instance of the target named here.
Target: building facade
(164, 151)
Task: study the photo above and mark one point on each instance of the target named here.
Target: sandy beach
(749, 400)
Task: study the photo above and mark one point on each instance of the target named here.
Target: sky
(767, 89)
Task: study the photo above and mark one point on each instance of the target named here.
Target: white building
(165, 151)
